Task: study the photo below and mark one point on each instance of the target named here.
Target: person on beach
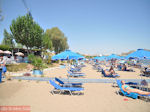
(109, 73)
(111, 70)
(124, 68)
(3, 66)
(129, 89)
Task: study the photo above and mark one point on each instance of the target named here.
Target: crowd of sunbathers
(125, 87)
(113, 64)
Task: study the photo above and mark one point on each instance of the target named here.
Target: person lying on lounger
(124, 68)
(129, 89)
(110, 72)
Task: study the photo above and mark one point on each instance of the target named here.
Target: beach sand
(96, 97)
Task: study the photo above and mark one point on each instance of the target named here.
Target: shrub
(31, 57)
(36, 61)
(48, 59)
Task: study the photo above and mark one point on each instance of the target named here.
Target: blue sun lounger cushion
(71, 74)
(69, 84)
(132, 95)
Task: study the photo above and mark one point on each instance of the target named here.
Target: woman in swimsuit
(129, 89)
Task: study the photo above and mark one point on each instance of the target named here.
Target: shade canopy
(1, 51)
(140, 53)
(113, 56)
(19, 54)
(67, 55)
(7, 52)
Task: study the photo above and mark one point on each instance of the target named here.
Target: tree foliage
(36, 61)
(5, 47)
(47, 43)
(27, 32)
(59, 40)
(8, 39)
(18, 45)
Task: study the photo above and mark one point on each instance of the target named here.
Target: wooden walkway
(80, 80)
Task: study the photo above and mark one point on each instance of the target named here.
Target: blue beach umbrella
(140, 53)
(122, 57)
(96, 58)
(100, 58)
(113, 56)
(67, 55)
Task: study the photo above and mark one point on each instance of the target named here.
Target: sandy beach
(96, 97)
(75, 56)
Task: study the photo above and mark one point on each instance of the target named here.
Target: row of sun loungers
(63, 87)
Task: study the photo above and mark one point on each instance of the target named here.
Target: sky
(92, 27)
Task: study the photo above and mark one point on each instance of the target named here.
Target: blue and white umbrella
(113, 56)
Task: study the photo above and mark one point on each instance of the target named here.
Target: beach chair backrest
(132, 95)
(54, 84)
(58, 80)
(119, 84)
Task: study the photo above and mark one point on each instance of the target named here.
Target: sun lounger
(75, 69)
(132, 95)
(119, 68)
(67, 84)
(72, 74)
(145, 72)
(97, 67)
(76, 72)
(134, 84)
(63, 89)
(112, 76)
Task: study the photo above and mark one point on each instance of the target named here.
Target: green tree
(59, 41)
(47, 43)
(27, 32)
(8, 39)
(18, 45)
